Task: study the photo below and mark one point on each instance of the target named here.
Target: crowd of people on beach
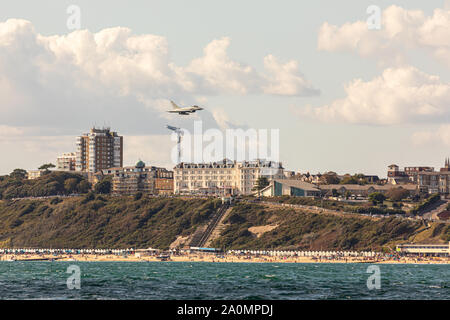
(131, 254)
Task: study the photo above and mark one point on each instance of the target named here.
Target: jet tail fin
(174, 105)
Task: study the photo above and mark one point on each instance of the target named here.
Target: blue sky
(287, 30)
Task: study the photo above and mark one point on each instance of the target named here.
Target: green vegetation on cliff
(303, 230)
(354, 207)
(16, 185)
(102, 221)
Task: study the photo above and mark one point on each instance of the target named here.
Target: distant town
(99, 156)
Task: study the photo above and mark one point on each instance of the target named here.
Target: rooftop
(384, 187)
(298, 184)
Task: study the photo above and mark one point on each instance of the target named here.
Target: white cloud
(440, 135)
(53, 88)
(216, 71)
(76, 80)
(399, 95)
(224, 121)
(402, 30)
(286, 79)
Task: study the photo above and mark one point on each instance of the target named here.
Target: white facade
(425, 249)
(224, 177)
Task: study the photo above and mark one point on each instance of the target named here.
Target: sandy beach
(224, 259)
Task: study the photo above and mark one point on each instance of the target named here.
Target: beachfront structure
(99, 149)
(224, 177)
(435, 181)
(66, 162)
(442, 250)
(290, 187)
(140, 178)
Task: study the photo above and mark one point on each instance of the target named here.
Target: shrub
(89, 197)
(103, 187)
(426, 203)
(55, 201)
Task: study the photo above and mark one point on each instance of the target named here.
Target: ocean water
(201, 280)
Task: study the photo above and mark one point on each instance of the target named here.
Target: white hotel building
(223, 177)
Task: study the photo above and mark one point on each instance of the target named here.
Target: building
(412, 172)
(395, 175)
(163, 182)
(311, 178)
(34, 174)
(224, 177)
(435, 181)
(66, 162)
(99, 149)
(363, 190)
(442, 250)
(371, 178)
(289, 174)
(140, 178)
(408, 175)
(290, 187)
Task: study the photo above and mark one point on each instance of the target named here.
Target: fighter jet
(184, 111)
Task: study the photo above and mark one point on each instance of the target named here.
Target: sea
(203, 280)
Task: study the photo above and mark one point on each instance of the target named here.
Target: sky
(344, 97)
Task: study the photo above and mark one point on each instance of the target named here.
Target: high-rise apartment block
(99, 149)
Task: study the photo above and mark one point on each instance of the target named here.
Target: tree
(83, 186)
(103, 187)
(261, 183)
(45, 167)
(329, 178)
(18, 174)
(377, 197)
(355, 179)
(71, 185)
(138, 196)
(349, 180)
(397, 194)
